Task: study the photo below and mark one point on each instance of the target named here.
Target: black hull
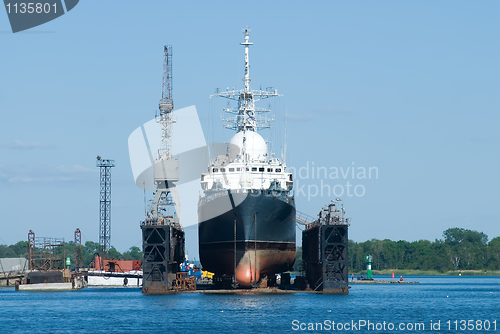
(265, 235)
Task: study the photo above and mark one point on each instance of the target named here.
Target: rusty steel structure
(184, 282)
(163, 247)
(46, 253)
(78, 249)
(31, 248)
(324, 250)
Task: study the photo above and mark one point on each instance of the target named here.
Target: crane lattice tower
(105, 166)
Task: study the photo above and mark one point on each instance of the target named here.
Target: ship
(246, 215)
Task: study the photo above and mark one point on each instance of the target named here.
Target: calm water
(124, 310)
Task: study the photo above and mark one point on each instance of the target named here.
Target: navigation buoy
(369, 260)
(401, 279)
(392, 273)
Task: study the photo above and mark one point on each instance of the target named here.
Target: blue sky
(410, 88)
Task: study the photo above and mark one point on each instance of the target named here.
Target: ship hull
(247, 235)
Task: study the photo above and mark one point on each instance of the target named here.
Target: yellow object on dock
(207, 274)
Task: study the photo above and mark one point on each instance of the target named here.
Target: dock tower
(105, 166)
(324, 250)
(78, 250)
(162, 234)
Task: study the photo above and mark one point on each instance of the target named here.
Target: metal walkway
(304, 219)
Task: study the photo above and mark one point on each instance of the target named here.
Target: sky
(408, 89)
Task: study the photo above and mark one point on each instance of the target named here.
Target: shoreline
(409, 272)
(412, 272)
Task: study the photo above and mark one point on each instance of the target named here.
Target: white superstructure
(247, 164)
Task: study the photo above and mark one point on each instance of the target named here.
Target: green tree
(455, 236)
(112, 253)
(89, 250)
(6, 251)
(133, 253)
(493, 254)
(20, 249)
(466, 249)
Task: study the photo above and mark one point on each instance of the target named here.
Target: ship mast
(247, 63)
(246, 114)
(246, 104)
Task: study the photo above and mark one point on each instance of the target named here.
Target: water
(126, 310)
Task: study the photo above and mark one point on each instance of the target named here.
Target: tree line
(460, 249)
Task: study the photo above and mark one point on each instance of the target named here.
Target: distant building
(18, 265)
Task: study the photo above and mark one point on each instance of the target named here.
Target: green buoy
(369, 260)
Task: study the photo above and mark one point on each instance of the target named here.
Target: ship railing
(165, 220)
(303, 218)
(276, 193)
